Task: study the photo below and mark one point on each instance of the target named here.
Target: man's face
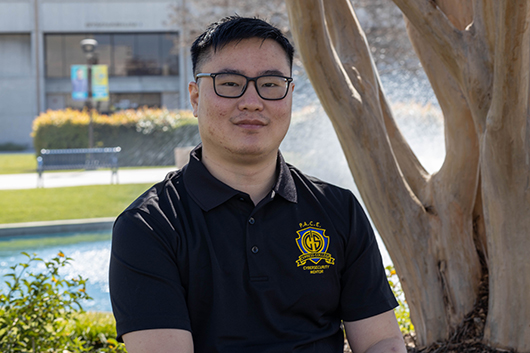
(247, 128)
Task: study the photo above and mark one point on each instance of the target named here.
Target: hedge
(147, 136)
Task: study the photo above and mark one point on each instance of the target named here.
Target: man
(239, 251)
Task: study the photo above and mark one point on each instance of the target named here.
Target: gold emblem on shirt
(314, 244)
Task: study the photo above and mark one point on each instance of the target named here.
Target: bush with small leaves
(36, 306)
(97, 330)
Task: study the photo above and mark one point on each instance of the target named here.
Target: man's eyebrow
(272, 72)
(230, 71)
(261, 73)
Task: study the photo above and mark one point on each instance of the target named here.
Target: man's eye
(228, 83)
(269, 85)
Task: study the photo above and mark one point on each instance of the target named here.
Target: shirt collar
(209, 192)
(285, 186)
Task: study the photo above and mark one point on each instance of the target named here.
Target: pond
(90, 253)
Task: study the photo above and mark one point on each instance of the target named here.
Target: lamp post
(89, 46)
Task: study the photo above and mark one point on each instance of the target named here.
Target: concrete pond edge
(53, 227)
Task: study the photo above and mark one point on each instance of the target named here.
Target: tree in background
(470, 221)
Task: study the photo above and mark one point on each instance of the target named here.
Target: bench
(79, 158)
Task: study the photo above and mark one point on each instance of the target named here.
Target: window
(123, 54)
(104, 49)
(54, 56)
(128, 54)
(73, 55)
(147, 54)
(170, 55)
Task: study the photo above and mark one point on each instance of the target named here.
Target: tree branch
(353, 51)
(439, 32)
(324, 63)
(511, 65)
(350, 95)
(413, 171)
(461, 145)
(483, 17)
(350, 45)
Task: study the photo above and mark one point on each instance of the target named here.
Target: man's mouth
(250, 123)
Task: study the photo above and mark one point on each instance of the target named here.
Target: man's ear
(193, 88)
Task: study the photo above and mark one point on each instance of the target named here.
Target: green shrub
(37, 305)
(12, 147)
(402, 311)
(42, 312)
(96, 330)
(146, 136)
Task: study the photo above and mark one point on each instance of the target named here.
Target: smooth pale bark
(505, 170)
(476, 55)
(495, 83)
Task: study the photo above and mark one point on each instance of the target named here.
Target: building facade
(40, 40)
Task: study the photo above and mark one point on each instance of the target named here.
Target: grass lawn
(31, 205)
(16, 163)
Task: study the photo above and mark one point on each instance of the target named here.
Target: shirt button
(255, 249)
(251, 220)
(241, 199)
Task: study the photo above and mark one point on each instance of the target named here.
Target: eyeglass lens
(268, 87)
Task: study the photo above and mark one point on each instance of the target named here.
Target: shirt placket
(256, 249)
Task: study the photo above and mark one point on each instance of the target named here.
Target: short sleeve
(144, 280)
(365, 289)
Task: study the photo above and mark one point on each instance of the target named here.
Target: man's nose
(250, 100)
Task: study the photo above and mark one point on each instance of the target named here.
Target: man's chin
(253, 153)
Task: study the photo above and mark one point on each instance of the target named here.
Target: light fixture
(89, 45)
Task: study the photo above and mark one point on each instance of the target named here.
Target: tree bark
(505, 170)
(476, 55)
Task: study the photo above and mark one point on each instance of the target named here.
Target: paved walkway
(93, 177)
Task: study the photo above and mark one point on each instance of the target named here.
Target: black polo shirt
(193, 253)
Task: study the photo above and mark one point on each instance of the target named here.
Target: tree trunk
(505, 170)
(431, 224)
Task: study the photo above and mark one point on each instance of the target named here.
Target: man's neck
(256, 179)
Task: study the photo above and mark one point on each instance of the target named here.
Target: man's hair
(234, 29)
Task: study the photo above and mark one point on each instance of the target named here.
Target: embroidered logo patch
(313, 243)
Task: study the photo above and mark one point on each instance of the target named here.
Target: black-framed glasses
(232, 85)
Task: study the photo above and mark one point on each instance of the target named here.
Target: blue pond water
(90, 251)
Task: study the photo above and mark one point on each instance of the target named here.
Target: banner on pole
(79, 78)
(100, 83)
